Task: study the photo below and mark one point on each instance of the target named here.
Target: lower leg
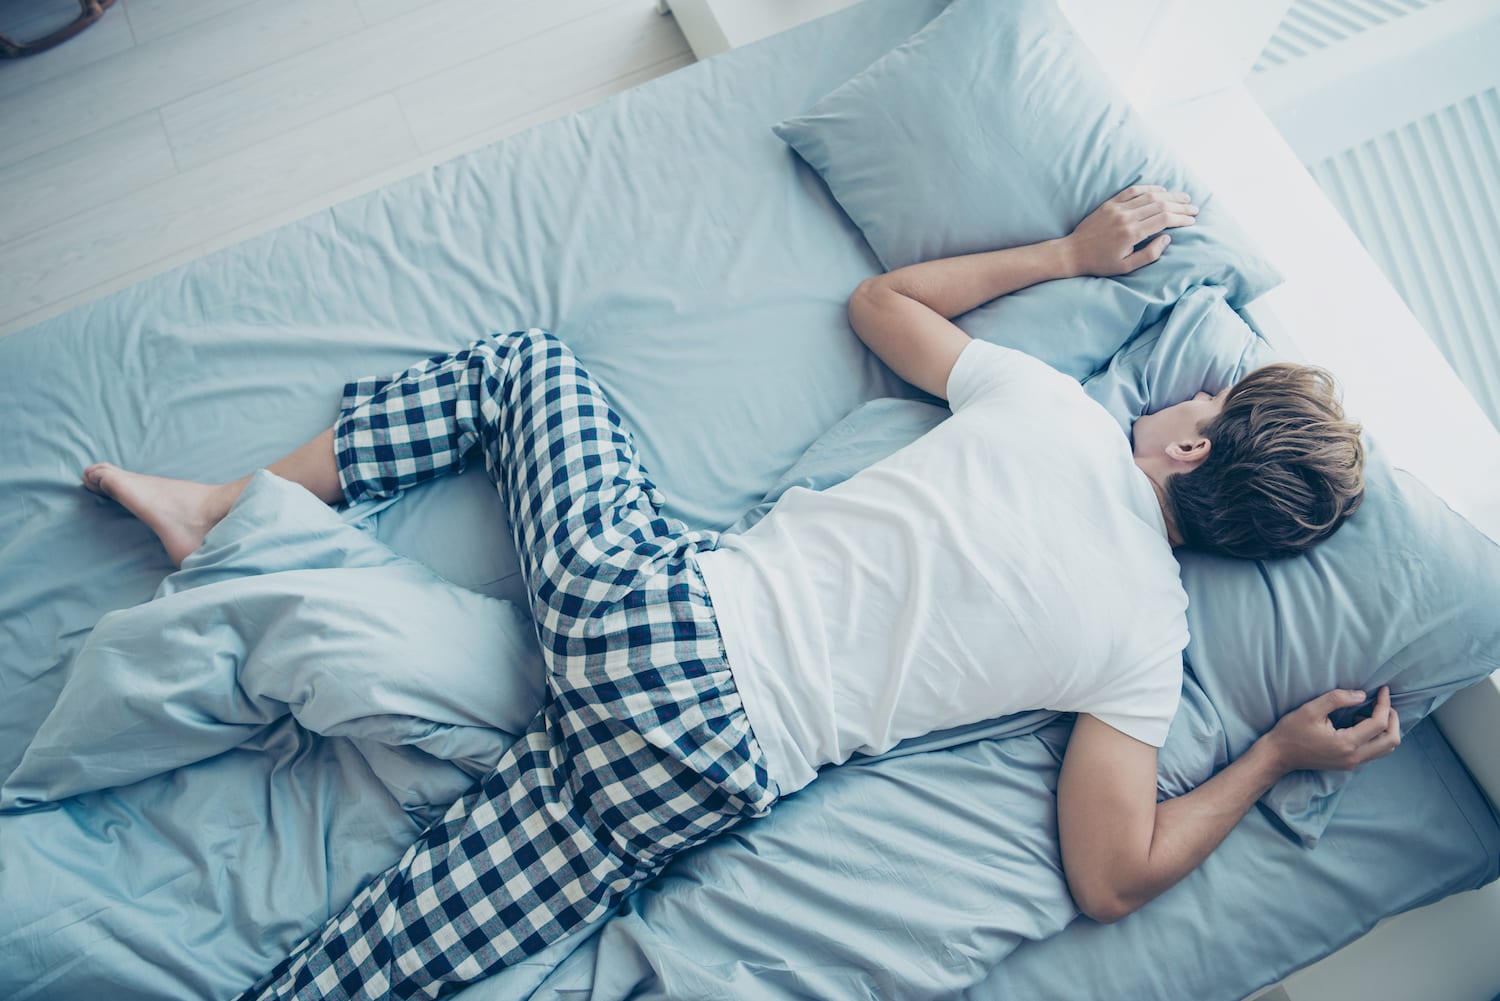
(182, 512)
(313, 466)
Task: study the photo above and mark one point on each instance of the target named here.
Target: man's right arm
(1121, 848)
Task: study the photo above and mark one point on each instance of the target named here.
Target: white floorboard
(151, 19)
(192, 207)
(175, 127)
(586, 53)
(152, 74)
(67, 179)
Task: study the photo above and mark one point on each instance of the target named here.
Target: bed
(245, 812)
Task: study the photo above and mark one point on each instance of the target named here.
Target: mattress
(700, 272)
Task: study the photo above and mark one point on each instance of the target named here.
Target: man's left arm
(1121, 848)
(905, 316)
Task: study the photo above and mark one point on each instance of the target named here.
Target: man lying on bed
(1019, 556)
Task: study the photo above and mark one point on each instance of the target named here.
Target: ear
(1191, 450)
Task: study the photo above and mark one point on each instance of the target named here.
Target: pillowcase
(288, 609)
(1404, 594)
(994, 126)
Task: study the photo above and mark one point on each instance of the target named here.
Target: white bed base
(1184, 63)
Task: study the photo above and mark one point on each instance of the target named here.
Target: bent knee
(532, 340)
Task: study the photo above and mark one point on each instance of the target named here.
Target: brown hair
(1283, 471)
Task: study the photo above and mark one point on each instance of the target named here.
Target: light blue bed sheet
(798, 915)
(706, 291)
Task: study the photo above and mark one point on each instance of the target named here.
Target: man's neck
(1158, 486)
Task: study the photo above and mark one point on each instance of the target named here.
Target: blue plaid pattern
(642, 748)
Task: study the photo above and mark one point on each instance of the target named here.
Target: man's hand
(1307, 738)
(1104, 243)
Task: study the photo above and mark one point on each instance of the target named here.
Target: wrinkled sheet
(848, 911)
(701, 273)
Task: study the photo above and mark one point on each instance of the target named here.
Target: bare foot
(180, 512)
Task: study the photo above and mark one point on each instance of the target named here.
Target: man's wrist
(1270, 758)
(1065, 255)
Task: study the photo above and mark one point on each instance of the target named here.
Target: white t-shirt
(1013, 558)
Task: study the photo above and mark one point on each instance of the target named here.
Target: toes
(93, 477)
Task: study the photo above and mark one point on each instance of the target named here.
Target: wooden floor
(171, 128)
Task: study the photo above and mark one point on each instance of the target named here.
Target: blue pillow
(1404, 594)
(994, 126)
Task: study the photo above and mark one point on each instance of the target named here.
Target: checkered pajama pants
(641, 749)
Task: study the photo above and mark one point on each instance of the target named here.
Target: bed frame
(1184, 64)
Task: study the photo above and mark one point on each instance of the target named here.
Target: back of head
(1284, 468)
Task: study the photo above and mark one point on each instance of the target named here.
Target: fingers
(1146, 209)
(1143, 194)
(1382, 744)
(1140, 213)
(1137, 191)
(1371, 738)
(1158, 216)
(1375, 725)
(1150, 252)
(1329, 703)
(1158, 197)
(1143, 230)
(1144, 200)
(1157, 208)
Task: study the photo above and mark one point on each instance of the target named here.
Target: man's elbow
(867, 305)
(1105, 905)
(866, 293)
